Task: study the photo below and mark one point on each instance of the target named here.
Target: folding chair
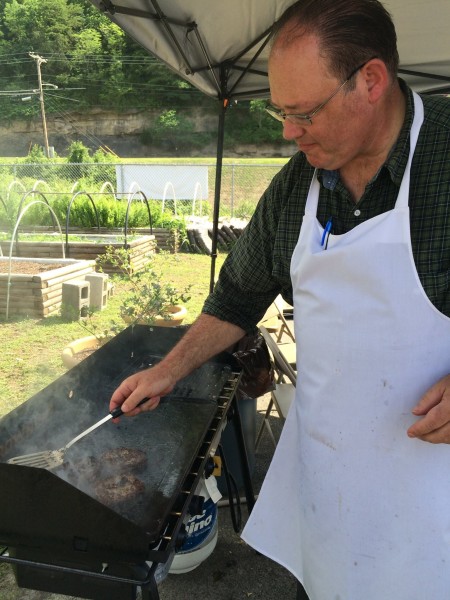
(288, 348)
(284, 328)
(285, 381)
(270, 320)
(276, 323)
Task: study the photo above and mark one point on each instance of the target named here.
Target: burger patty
(119, 489)
(123, 460)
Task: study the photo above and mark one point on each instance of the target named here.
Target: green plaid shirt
(257, 269)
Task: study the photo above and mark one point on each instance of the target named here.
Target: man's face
(299, 82)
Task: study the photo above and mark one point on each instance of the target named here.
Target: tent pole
(219, 156)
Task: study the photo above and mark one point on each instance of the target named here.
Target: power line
(103, 58)
(65, 97)
(69, 119)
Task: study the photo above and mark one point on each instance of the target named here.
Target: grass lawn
(31, 348)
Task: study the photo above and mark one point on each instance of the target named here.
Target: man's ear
(376, 79)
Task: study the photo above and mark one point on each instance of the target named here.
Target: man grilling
(354, 232)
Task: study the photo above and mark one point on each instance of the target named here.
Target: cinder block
(75, 299)
(98, 283)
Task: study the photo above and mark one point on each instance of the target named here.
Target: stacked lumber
(200, 237)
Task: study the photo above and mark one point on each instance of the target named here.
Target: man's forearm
(204, 339)
(207, 337)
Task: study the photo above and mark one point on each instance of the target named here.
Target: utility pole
(39, 60)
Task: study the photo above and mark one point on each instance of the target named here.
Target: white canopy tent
(221, 48)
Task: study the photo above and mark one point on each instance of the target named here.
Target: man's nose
(291, 131)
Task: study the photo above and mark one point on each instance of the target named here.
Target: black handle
(118, 412)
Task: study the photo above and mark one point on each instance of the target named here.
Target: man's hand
(434, 408)
(151, 383)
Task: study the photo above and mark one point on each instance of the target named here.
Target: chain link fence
(180, 189)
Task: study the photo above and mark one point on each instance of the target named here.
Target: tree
(78, 153)
(45, 26)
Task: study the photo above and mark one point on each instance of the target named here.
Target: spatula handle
(118, 412)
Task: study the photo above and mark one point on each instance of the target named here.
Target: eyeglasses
(300, 119)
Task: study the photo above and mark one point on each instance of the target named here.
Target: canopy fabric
(221, 47)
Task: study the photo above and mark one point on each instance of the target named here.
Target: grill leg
(236, 420)
(150, 591)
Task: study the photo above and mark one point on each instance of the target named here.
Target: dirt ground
(28, 267)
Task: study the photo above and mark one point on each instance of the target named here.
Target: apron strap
(313, 196)
(403, 194)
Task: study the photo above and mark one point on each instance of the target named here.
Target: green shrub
(148, 294)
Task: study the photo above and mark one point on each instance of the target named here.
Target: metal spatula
(49, 459)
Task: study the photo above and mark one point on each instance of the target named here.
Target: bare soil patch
(28, 267)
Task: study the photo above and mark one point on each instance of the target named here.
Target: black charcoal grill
(53, 529)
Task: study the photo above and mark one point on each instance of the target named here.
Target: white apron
(354, 508)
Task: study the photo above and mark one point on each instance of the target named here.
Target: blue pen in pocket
(326, 233)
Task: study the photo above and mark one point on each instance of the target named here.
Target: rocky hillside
(121, 133)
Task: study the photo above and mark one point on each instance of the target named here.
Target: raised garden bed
(35, 286)
(84, 247)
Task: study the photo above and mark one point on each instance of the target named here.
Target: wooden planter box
(38, 295)
(94, 245)
(166, 240)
